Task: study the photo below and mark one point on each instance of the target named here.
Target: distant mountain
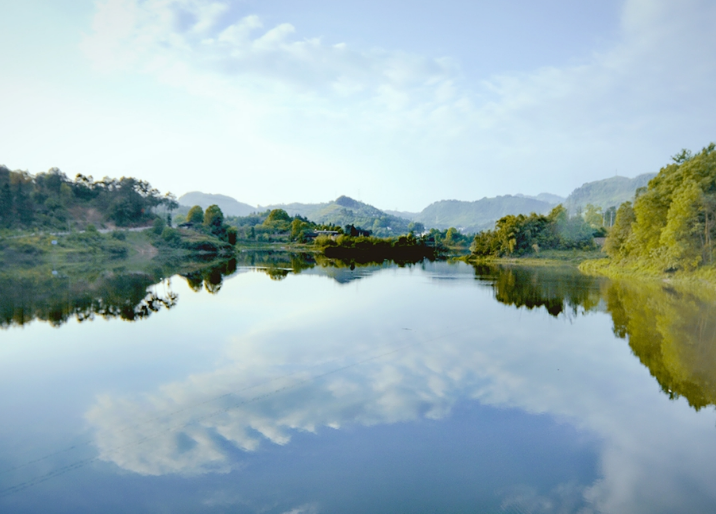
(347, 211)
(546, 197)
(307, 210)
(608, 192)
(480, 214)
(403, 214)
(228, 205)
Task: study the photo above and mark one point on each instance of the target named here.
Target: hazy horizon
(397, 105)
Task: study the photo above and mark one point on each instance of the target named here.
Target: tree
(593, 216)
(213, 217)
(195, 215)
(680, 237)
(416, 226)
(6, 207)
(615, 245)
(231, 235)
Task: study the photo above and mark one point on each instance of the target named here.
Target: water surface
(279, 384)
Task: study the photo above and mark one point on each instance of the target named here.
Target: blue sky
(398, 105)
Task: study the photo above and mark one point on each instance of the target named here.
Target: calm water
(278, 385)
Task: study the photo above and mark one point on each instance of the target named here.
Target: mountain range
(467, 216)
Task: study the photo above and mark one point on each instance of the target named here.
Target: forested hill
(347, 211)
(607, 193)
(478, 215)
(228, 205)
(671, 225)
(52, 201)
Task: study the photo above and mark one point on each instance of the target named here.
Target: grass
(543, 258)
(705, 275)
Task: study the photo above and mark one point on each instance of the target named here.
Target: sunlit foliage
(672, 223)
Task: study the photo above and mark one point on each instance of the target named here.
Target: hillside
(608, 192)
(480, 214)
(228, 205)
(347, 211)
(546, 197)
(52, 201)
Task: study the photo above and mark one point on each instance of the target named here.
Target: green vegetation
(276, 226)
(204, 232)
(347, 211)
(50, 201)
(374, 249)
(521, 235)
(671, 226)
(450, 239)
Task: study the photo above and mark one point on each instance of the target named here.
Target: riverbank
(544, 258)
(606, 267)
(96, 249)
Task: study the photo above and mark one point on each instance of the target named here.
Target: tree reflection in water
(671, 330)
(127, 295)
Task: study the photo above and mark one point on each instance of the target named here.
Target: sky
(398, 104)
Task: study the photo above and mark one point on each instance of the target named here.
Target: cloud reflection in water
(349, 362)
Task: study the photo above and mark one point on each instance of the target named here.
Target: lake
(279, 384)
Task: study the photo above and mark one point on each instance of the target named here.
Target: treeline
(520, 235)
(377, 249)
(270, 226)
(671, 225)
(51, 200)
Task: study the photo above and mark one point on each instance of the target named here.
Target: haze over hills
(607, 193)
(467, 216)
(545, 197)
(478, 215)
(228, 205)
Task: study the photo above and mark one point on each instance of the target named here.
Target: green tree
(593, 216)
(416, 226)
(158, 225)
(615, 245)
(195, 215)
(213, 217)
(681, 235)
(298, 226)
(231, 235)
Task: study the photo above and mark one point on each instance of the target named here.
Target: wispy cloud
(402, 118)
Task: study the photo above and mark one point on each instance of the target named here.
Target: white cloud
(421, 125)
